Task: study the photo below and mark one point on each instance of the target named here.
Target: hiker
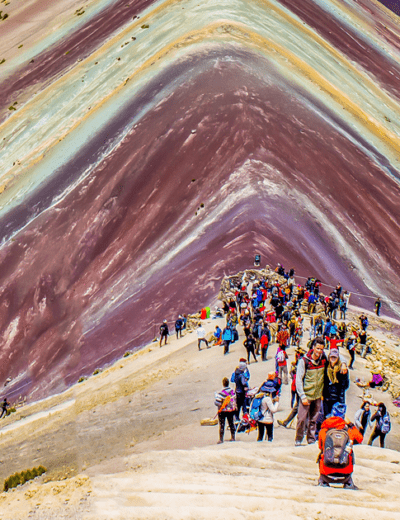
(264, 342)
(378, 305)
(382, 425)
(227, 337)
(250, 344)
(362, 418)
(268, 407)
(164, 332)
(362, 338)
(294, 401)
(336, 382)
(4, 405)
(283, 336)
(363, 322)
(226, 402)
(309, 386)
(281, 364)
(179, 327)
(312, 301)
(201, 336)
(241, 378)
(351, 347)
(218, 335)
(336, 459)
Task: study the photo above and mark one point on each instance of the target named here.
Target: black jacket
(336, 392)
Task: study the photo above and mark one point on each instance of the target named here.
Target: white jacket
(268, 408)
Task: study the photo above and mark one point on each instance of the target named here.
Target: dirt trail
(107, 432)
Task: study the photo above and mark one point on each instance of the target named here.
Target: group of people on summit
(319, 373)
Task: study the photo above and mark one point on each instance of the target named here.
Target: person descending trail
(225, 400)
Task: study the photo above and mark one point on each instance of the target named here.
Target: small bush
(12, 409)
(20, 478)
(127, 353)
(97, 371)
(81, 379)
(145, 26)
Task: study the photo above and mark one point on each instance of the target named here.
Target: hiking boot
(220, 442)
(297, 443)
(323, 484)
(282, 423)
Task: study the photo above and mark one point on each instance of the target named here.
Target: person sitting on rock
(336, 439)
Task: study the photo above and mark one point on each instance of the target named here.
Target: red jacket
(337, 423)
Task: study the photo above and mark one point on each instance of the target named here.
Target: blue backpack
(255, 407)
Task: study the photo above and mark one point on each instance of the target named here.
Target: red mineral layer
(56, 60)
(277, 175)
(343, 38)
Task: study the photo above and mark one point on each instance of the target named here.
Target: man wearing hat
(336, 456)
(164, 332)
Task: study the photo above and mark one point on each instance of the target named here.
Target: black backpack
(338, 449)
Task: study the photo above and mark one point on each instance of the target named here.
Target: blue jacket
(227, 334)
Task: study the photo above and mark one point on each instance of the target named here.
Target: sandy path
(151, 401)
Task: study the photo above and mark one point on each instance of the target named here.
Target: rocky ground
(127, 443)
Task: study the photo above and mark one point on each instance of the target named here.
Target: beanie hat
(242, 360)
(338, 410)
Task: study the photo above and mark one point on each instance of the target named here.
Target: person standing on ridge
(378, 305)
(4, 405)
(179, 327)
(164, 332)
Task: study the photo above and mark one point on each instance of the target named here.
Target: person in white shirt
(201, 336)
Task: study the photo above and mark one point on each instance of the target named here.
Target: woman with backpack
(362, 418)
(226, 402)
(382, 425)
(268, 407)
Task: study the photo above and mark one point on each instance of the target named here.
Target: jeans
(283, 374)
(308, 412)
(200, 340)
(377, 433)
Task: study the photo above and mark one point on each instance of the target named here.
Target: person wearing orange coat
(337, 475)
